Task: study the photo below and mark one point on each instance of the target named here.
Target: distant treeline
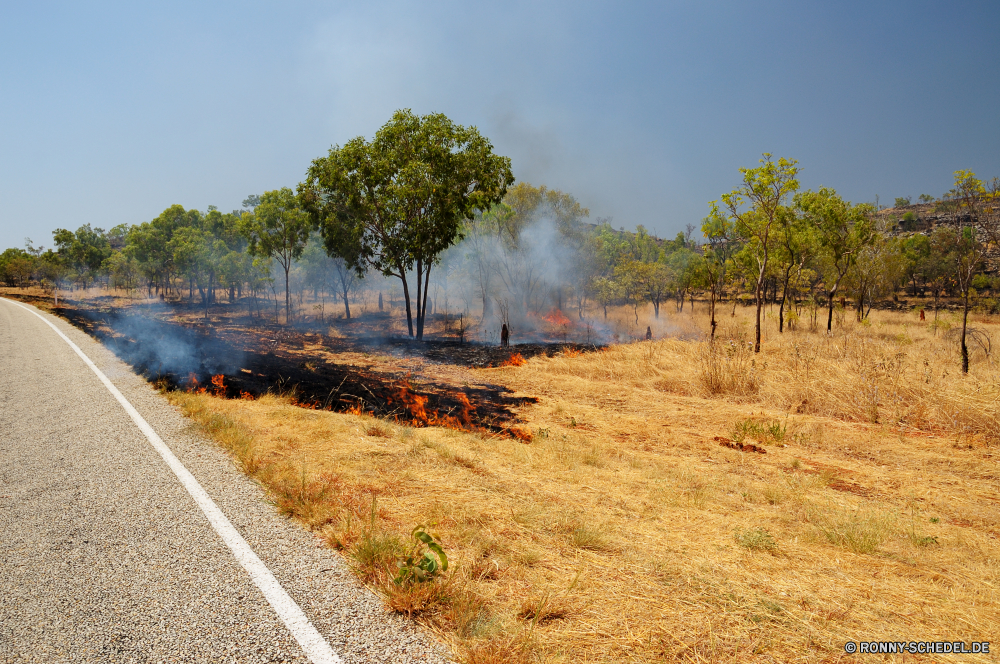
(523, 251)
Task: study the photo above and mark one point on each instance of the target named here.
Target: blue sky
(110, 112)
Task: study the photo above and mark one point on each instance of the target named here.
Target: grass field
(627, 531)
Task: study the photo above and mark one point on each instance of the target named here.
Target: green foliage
(902, 201)
(278, 228)
(16, 267)
(757, 209)
(755, 539)
(400, 200)
(842, 231)
(861, 531)
(83, 251)
(762, 432)
(425, 561)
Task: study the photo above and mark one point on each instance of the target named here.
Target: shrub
(755, 539)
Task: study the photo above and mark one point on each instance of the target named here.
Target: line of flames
(414, 404)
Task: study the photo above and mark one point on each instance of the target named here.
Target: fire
(415, 404)
(246, 396)
(557, 318)
(521, 434)
(194, 386)
(218, 388)
(463, 420)
(572, 352)
(514, 360)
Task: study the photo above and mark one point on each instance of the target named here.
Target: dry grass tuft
(619, 530)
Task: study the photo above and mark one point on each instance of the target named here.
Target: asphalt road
(106, 557)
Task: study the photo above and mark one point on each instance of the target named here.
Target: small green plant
(425, 561)
(861, 531)
(934, 519)
(925, 540)
(916, 538)
(762, 432)
(543, 433)
(755, 539)
(374, 553)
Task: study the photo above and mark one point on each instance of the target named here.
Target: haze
(642, 111)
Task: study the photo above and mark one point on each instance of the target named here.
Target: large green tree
(402, 198)
(84, 250)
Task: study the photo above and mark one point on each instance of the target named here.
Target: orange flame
(521, 434)
(193, 385)
(514, 360)
(558, 318)
(463, 420)
(572, 352)
(415, 403)
(219, 385)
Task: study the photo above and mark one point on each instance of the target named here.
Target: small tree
(755, 208)
(722, 245)
(794, 245)
(977, 220)
(278, 228)
(842, 230)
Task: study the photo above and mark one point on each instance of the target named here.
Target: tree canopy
(395, 203)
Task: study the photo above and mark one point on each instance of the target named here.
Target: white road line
(312, 642)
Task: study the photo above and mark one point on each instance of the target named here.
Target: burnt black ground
(268, 358)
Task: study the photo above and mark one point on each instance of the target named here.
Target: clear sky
(111, 112)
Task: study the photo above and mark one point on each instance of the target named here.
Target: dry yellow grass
(624, 532)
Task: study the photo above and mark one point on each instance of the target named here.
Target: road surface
(105, 556)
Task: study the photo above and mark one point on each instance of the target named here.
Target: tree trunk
(759, 295)
(422, 309)
(760, 304)
(784, 296)
(965, 322)
(347, 305)
(406, 298)
(420, 292)
(711, 308)
(288, 300)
